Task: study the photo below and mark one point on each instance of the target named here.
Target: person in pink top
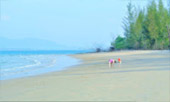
(111, 62)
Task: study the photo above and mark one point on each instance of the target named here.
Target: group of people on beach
(112, 61)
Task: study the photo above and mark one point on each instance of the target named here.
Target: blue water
(43, 52)
(17, 64)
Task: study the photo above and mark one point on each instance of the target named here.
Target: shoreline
(92, 80)
(81, 61)
(56, 64)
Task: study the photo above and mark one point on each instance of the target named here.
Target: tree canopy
(145, 28)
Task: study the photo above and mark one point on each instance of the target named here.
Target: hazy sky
(74, 23)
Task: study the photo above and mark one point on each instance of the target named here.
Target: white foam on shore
(21, 67)
(45, 64)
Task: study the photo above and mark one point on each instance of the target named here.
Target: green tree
(162, 22)
(119, 43)
(152, 26)
(146, 29)
(168, 26)
(139, 31)
(129, 26)
(169, 6)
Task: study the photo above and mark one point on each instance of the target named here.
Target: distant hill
(28, 44)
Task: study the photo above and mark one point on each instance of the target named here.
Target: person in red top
(119, 60)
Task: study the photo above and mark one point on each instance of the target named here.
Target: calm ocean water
(16, 64)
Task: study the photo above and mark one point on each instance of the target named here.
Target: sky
(71, 24)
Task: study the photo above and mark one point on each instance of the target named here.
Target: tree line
(147, 28)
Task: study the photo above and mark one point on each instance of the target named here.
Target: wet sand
(143, 76)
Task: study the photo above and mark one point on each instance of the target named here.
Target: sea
(18, 64)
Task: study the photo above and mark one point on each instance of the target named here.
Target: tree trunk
(168, 28)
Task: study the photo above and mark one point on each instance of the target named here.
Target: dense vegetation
(145, 28)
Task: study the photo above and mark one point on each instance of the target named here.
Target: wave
(21, 67)
(36, 64)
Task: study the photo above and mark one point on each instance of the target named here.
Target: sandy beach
(143, 76)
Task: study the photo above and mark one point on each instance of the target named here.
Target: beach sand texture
(143, 76)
